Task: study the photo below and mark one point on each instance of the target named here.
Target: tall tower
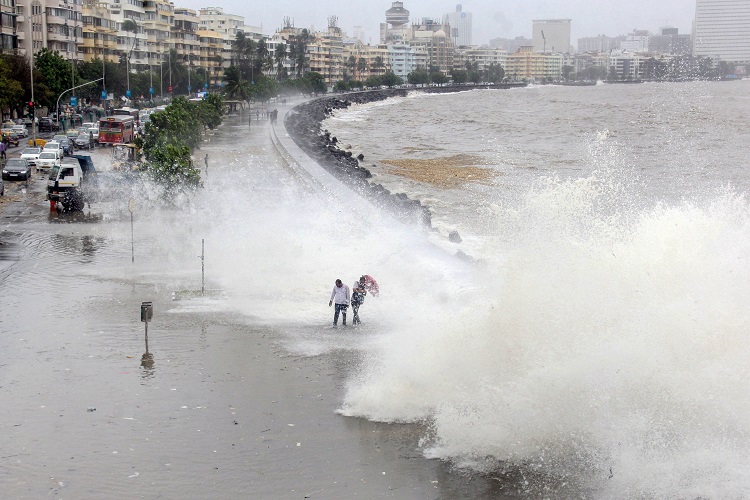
(395, 27)
(722, 30)
(460, 23)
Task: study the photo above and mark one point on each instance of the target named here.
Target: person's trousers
(355, 310)
(342, 309)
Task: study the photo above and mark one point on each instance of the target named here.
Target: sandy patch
(446, 172)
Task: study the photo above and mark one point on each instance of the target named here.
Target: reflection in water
(147, 360)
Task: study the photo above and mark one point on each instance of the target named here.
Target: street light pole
(34, 5)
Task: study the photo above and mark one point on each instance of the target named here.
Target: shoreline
(303, 124)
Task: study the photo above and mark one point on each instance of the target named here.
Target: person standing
(340, 295)
(358, 297)
(2, 149)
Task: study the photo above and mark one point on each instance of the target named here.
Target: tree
(378, 64)
(495, 73)
(391, 79)
(235, 88)
(438, 77)
(11, 91)
(361, 66)
(279, 56)
(55, 73)
(459, 76)
(340, 86)
(420, 76)
(566, 71)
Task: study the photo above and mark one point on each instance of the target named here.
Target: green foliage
(340, 86)
(170, 167)
(55, 74)
(459, 76)
(11, 91)
(420, 76)
(495, 73)
(171, 135)
(438, 77)
(390, 79)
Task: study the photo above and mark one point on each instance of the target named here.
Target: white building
(57, 25)
(636, 42)
(460, 23)
(721, 29)
(404, 58)
(551, 35)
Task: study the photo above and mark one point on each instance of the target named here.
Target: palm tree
(235, 88)
(378, 63)
(279, 55)
(361, 67)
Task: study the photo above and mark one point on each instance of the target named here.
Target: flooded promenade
(215, 405)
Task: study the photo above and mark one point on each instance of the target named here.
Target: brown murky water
(217, 409)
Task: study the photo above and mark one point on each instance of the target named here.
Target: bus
(116, 130)
(128, 112)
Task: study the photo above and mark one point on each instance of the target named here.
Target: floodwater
(231, 397)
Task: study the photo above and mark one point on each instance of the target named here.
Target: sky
(491, 18)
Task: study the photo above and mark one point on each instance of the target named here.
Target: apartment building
(721, 30)
(479, 57)
(526, 64)
(326, 53)
(226, 25)
(54, 24)
(9, 34)
(363, 61)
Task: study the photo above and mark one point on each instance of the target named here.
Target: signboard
(127, 93)
(190, 88)
(151, 90)
(74, 101)
(169, 89)
(104, 94)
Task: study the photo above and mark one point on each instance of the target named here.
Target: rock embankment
(304, 126)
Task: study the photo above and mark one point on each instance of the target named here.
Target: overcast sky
(491, 18)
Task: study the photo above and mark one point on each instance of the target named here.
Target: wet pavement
(212, 405)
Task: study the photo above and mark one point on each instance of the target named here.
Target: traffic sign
(151, 90)
(127, 93)
(74, 101)
(104, 94)
(169, 89)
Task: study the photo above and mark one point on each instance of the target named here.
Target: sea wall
(303, 124)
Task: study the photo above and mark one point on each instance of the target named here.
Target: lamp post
(35, 5)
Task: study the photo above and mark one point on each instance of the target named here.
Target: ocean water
(601, 339)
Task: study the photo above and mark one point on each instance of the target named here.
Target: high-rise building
(396, 25)
(551, 35)
(722, 30)
(669, 41)
(460, 23)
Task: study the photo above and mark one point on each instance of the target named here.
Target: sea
(600, 336)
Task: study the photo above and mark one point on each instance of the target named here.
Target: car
(67, 146)
(11, 137)
(46, 124)
(16, 169)
(95, 134)
(21, 130)
(59, 137)
(31, 155)
(72, 134)
(83, 141)
(88, 125)
(49, 158)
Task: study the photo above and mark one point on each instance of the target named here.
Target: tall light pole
(35, 5)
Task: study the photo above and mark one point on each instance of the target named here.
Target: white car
(88, 125)
(49, 158)
(31, 155)
(52, 145)
(20, 130)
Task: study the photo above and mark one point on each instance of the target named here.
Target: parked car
(16, 169)
(83, 141)
(21, 130)
(68, 146)
(31, 155)
(49, 158)
(46, 124)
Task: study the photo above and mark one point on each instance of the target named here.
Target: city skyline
(607, 17)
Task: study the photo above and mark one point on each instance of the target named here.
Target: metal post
(203, 267)
(206, 160)
(131, 207)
